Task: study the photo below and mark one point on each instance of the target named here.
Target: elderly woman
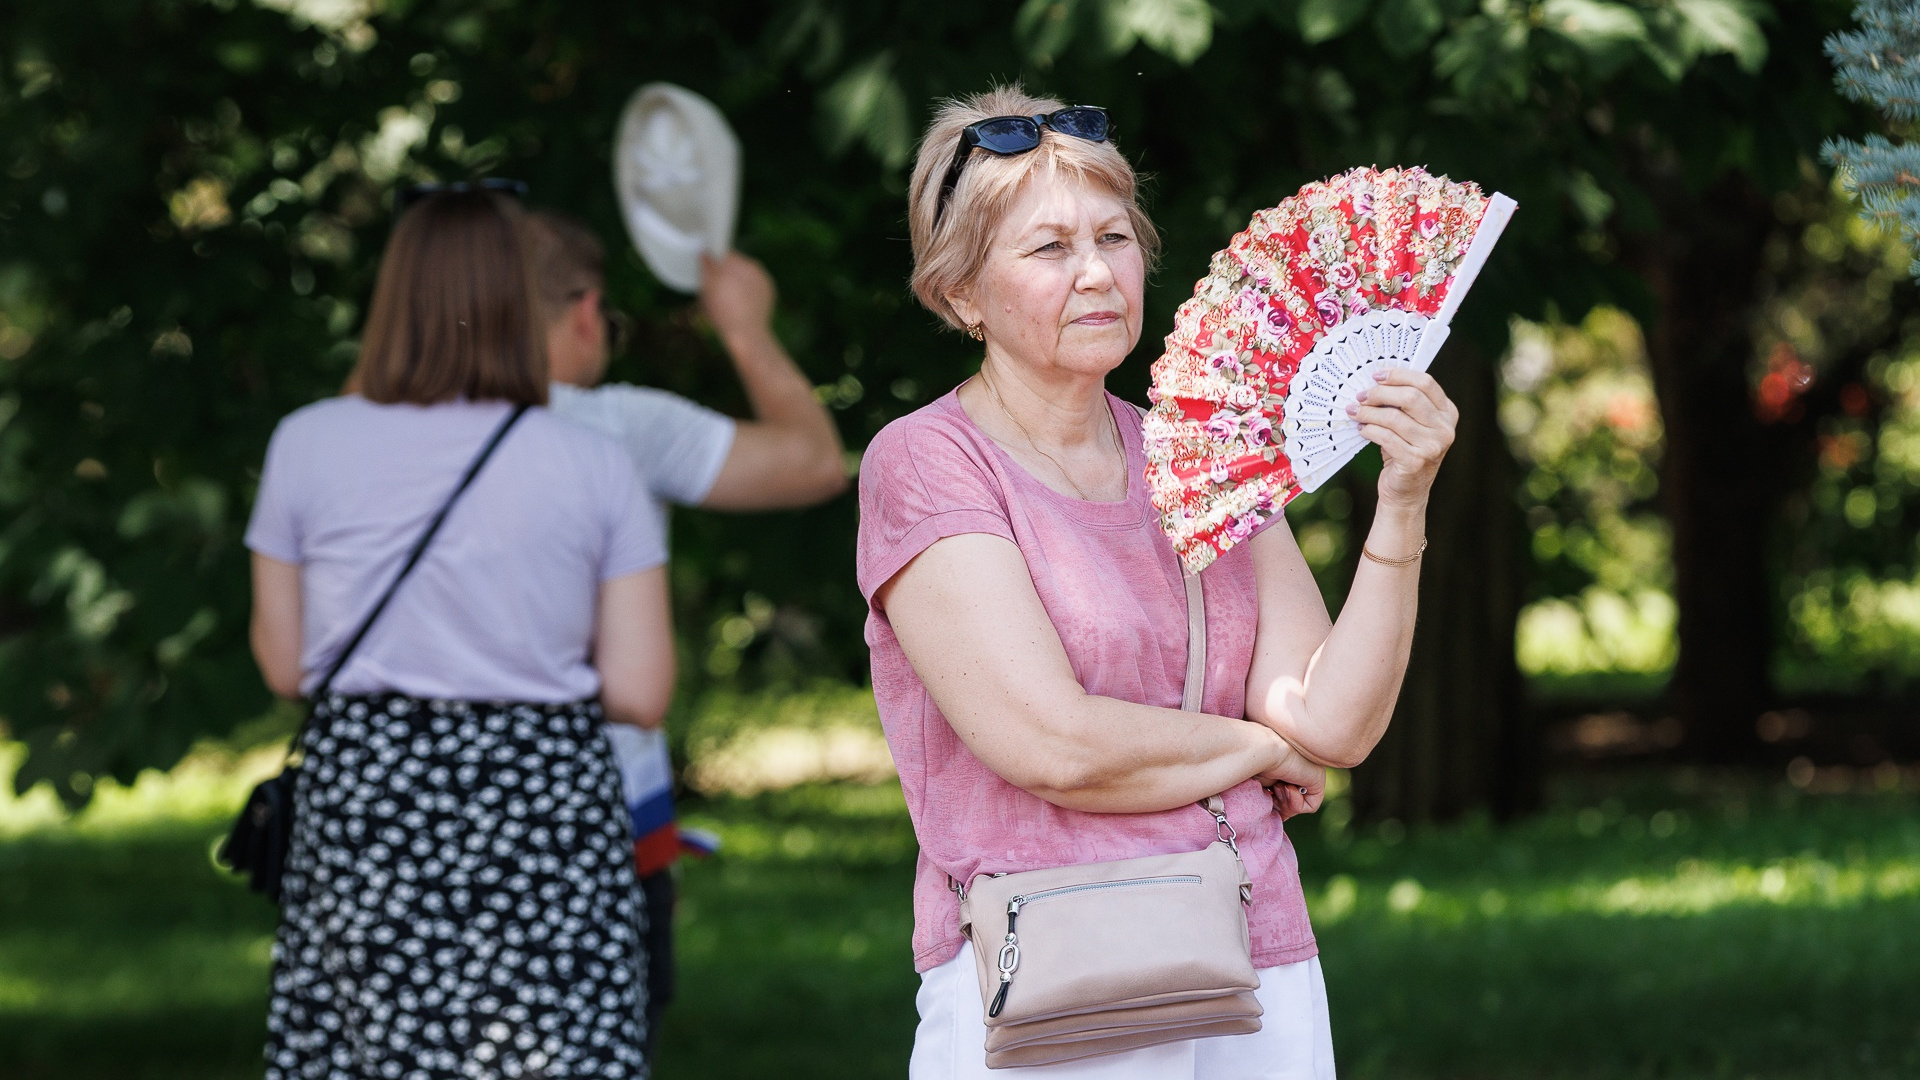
(1027, 620)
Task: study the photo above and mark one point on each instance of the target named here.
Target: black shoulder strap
(413, 557)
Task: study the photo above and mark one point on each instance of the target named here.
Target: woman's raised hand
(1413, 422)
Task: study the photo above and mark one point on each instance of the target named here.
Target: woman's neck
(1060, 429)
(1061, 411)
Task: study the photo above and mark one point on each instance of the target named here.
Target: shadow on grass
(1639, 931)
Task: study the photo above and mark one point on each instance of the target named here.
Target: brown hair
(948, 254)
(565, 259)
(452, 314)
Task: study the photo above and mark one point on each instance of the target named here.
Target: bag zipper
(1010, 949)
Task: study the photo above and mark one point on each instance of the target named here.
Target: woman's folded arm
(969, 621)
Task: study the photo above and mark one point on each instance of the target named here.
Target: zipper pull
(1009, 958)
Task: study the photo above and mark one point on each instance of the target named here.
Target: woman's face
(1061, 286)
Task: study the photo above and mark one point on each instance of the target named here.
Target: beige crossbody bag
(1078, 961)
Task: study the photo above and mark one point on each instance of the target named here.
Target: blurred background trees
(1692, 404)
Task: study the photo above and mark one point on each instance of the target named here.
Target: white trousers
(1295, 1040)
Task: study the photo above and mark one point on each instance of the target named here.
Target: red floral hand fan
(1349, 275)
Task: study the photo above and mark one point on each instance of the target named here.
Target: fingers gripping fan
(1350, 275)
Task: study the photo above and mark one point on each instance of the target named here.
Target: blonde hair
(948, 253)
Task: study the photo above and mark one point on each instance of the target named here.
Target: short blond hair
(948, 253)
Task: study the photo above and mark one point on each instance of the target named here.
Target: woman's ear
(963, 309)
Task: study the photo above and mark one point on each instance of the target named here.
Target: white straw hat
(676, 170)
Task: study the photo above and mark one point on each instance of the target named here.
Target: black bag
(257, 846)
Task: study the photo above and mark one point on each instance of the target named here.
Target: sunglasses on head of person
(1009, 135)
(413, 193)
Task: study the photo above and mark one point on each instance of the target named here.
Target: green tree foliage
(1577, 403)
(1879, 65)
(193, 194)
(1851, 555)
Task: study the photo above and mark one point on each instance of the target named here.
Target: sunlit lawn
(1636, 931)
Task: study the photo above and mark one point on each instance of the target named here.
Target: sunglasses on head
(413, 193)
(1009, 135)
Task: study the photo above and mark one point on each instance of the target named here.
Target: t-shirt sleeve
(679, 446)
(921, 482)
(636, 538)
(274, 528)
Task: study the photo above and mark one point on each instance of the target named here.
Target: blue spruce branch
(1879, 64)
(1885, 178)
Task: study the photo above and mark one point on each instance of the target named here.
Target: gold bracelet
(1408, 561)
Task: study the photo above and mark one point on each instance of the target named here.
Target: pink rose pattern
(1362, 240)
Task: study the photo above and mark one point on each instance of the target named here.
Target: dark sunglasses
(1009, 135)
(618, 324)
(413, 193)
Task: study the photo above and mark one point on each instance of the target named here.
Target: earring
(976, 333)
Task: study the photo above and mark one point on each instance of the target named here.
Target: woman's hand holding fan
(1258, 395)
(1412, 421)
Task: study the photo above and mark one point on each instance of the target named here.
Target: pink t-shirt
(1111, 584)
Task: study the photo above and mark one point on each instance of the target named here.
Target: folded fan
(1351, 274)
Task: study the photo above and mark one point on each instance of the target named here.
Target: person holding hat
(789, 455)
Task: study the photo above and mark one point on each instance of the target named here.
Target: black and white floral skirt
(459, 898)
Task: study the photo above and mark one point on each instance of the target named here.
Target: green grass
(1737, 932)
(1660, 926)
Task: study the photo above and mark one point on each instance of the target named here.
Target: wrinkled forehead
(1060, 200)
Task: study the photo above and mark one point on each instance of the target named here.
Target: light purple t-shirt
(502, 605)
(1111, 584)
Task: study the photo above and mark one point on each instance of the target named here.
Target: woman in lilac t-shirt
(1027, 617)
(459, 893)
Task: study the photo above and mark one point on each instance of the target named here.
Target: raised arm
(1330, 690)
(789, 454)
(973, 628)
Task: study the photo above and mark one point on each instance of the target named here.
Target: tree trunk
(1459, 740)
(1721, 473)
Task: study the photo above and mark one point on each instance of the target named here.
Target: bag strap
(1193, 691)
(1195, 688)
(413, 559)
(419, 549)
